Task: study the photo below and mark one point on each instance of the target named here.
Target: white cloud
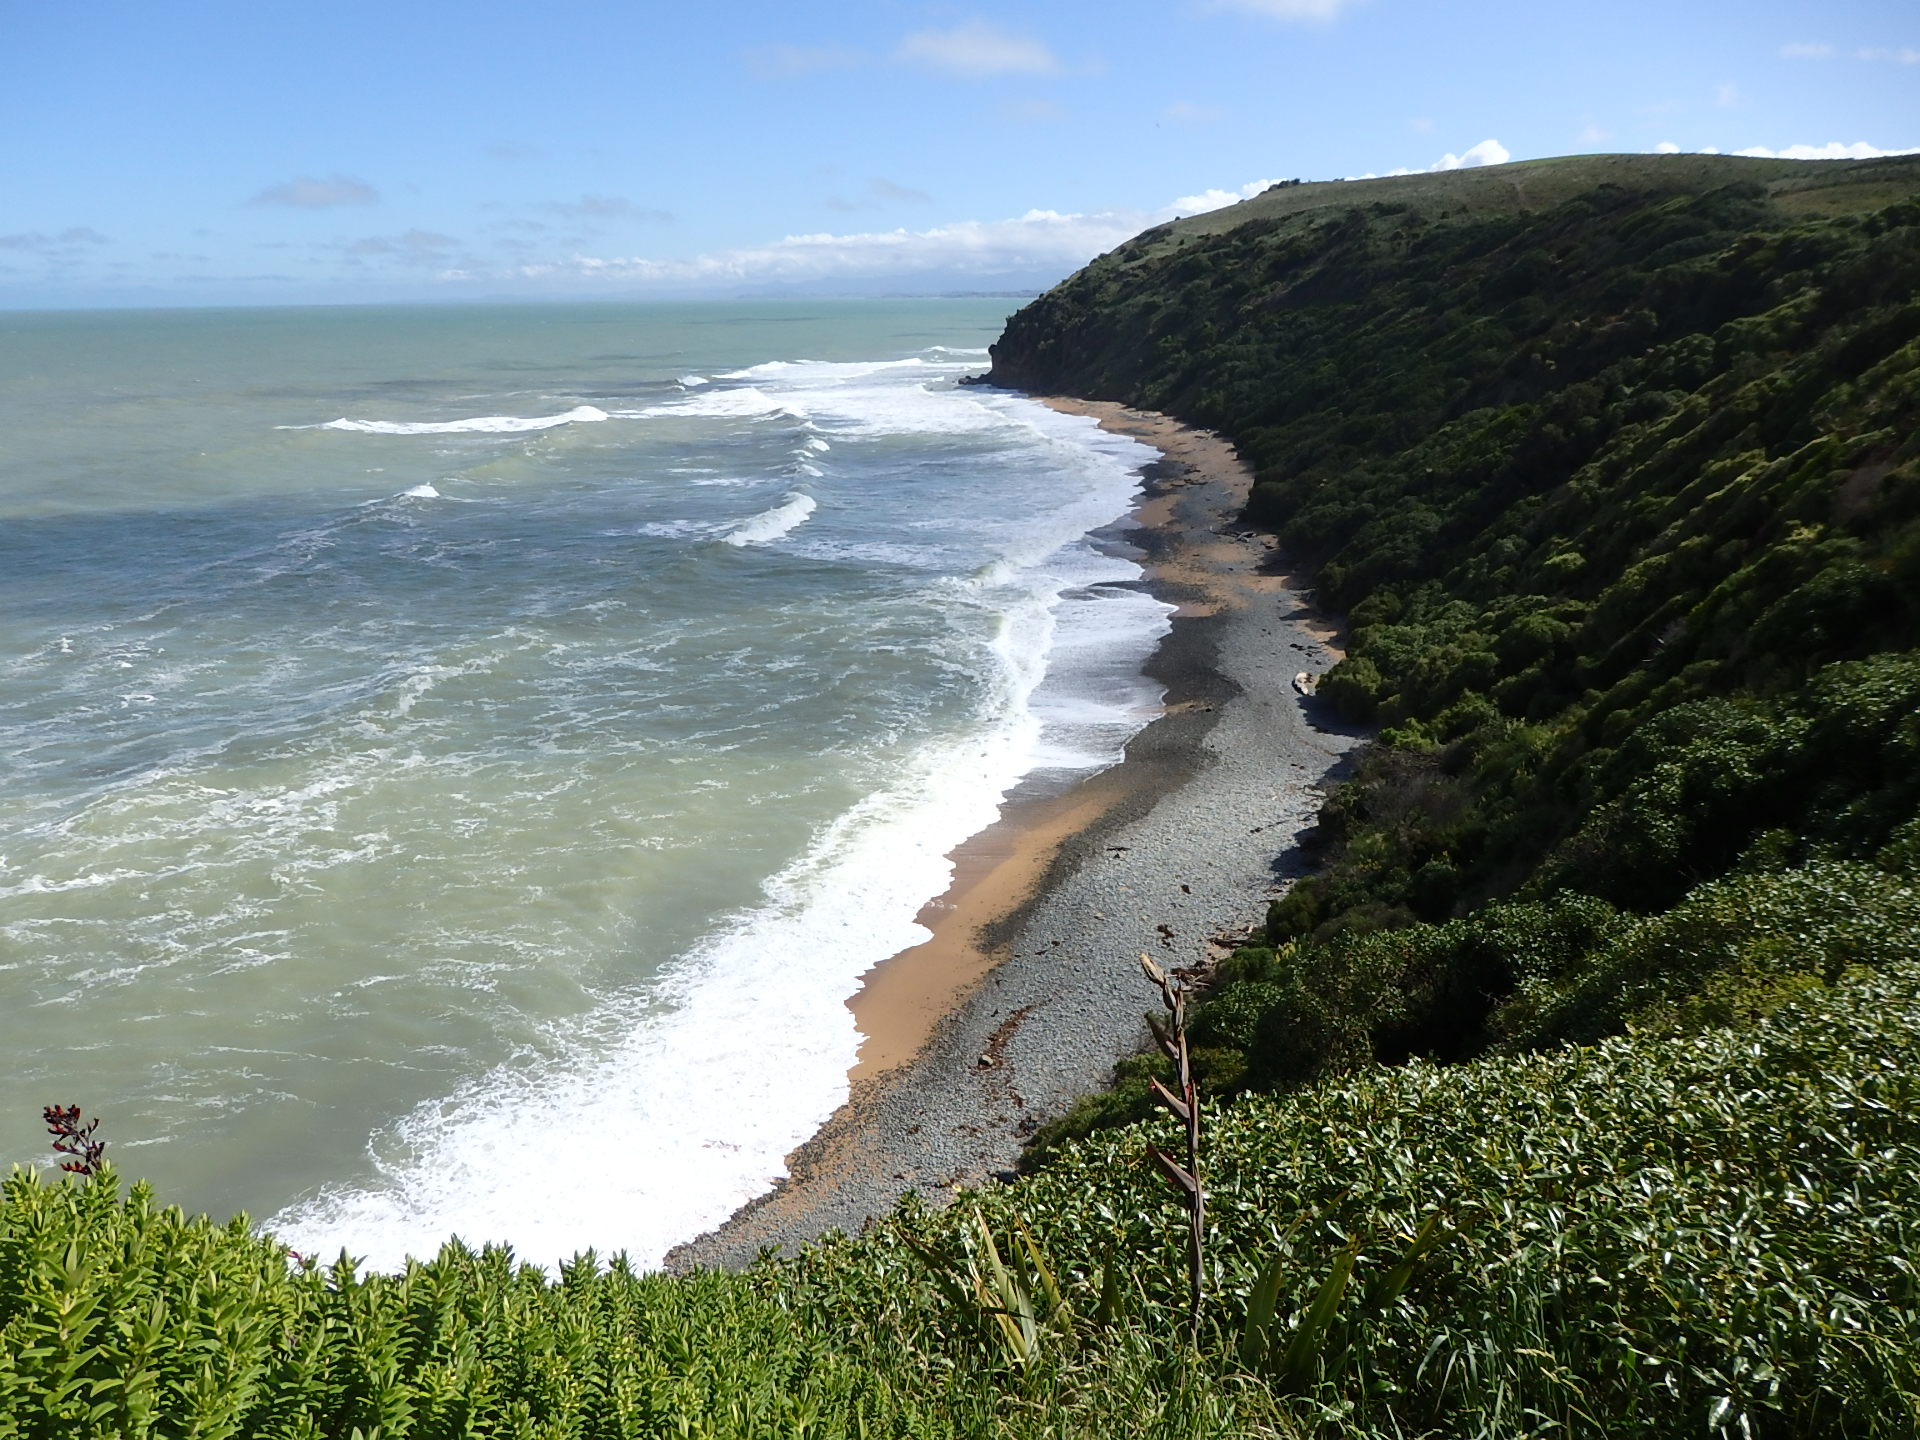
(1040, 242)
(605, 207)
(1213, 200)
(883, 189)
(1487, 152)
(1037, 240)
(39, 242)
(413, 247)
(785, 60)
(1185, 112)
(1832, 150)
(1666, 147)
(1031, 112)
(1899, 55)
(1311, 11)
(307, 193)
(975, 50)
(1041, 245)
(411, 241)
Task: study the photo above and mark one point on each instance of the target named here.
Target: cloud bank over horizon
(1013, 250)
(1039, 243)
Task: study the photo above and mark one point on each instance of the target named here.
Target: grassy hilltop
(1575, 1093)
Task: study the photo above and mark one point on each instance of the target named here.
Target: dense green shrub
(1730, 951)
(1661, 1235)
(121, 1319)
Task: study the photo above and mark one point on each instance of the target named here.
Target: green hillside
(1575, 1093)
(1795, 187)
(1621, 495)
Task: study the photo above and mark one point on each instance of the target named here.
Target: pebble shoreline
(1226, 780)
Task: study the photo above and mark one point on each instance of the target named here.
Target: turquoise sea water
(459, 761)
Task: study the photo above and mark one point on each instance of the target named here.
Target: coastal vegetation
(1709, 1234)
(1574, 1093)
(1621, 497)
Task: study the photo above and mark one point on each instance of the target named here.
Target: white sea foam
(822, 371)
(41, 885)
(1094, 698)
(674, 529)
(477, 425)
(422, 492)
(694, 1110)
(770, 525)
(892, 397)
(742, 403)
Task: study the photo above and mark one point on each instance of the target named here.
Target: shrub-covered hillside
(1621, 494)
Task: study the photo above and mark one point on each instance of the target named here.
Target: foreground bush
(1657, 1235)
(1703, 1235)
(121, 1319)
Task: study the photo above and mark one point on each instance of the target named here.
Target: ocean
(459, 761)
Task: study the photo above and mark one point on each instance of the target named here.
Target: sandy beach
(1029, 991)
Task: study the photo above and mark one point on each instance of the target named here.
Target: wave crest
(477, 425)
(772, 524)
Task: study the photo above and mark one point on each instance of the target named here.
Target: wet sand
(1029, 991)
(903, 999)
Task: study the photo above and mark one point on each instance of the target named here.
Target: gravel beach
(1176, 856)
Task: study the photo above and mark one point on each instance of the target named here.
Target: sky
(209, 152)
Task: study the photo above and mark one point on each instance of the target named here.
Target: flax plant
(86, 1155)
(1171, 1036)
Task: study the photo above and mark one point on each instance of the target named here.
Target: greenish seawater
(460, 760)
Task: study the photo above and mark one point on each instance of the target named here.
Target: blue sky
(210, 152)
